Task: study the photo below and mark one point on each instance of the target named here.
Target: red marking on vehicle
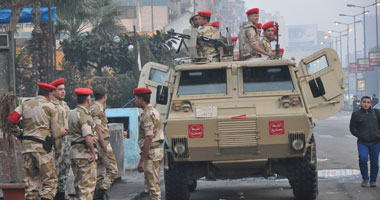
(276, 128)
(240, 117)
(196, 131)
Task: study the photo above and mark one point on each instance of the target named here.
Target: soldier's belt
(47, 144)
(82, 143)
(157, 144)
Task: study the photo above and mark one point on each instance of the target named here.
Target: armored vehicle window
(258, 79)
(317, 65)
(210, 81)
(157, 76)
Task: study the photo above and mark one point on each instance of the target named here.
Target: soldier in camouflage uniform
(107, 166)
(40, 123)
(268, 37)
(62, 145)
(206, 30)
(249, 37)
(151, 138)
(83, 152)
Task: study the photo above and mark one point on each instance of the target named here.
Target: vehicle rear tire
(176, 181)
(303, 176)
(192, 185)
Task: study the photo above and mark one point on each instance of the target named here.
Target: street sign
(374, 59)
(361, 85)
(363, 65)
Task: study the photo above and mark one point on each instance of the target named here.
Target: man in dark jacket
(375, 100)
(365, 126)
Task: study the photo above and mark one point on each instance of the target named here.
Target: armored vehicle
(254, 118)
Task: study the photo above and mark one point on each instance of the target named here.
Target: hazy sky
(321, 12)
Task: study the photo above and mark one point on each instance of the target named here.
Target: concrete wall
(131, 149)
(143, 21)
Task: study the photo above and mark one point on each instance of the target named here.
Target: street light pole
(365, 45)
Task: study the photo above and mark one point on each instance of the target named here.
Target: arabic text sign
(196, 131)
(276, 127)
(374, 59)
(363, 65)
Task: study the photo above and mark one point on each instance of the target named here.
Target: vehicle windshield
(259, 79)
(208, 81)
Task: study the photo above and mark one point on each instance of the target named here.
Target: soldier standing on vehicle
(62, 144)
(83, 146)
(206, 30)
(268, 37)
(259, 26)
(249, 37)
(151, 139)
(194, 21)
(40, 120)
(365, 126)
(107, 166)
(236, 50)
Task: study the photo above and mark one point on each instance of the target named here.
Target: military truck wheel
(303, 176)
(192, 185)
(176, 181)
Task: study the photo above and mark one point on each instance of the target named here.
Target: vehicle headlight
(297, 144)
(179, 149)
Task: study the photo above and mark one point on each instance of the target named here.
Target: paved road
(338, 173)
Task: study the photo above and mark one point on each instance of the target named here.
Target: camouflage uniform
(208, 50)
(248, 36)
(82, 125)
(62, 145)
(265, 45)
(107, 166)
(40, 119)
(151, 125)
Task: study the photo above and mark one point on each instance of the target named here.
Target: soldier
(259, 26)
(236, 50)
(206, 30)
(194, 21)
(83, 146)
(249, 37)
(215, 24)
(268, 37)
(151, 138)
(62, 145)
(40, 120)
(107, 166)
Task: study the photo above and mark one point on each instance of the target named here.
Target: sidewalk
(130, 186)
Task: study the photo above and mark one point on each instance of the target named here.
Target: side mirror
(162, 95)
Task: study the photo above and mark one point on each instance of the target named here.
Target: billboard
(374, 59)
(361, 85)
(363, 64)
(302, 35)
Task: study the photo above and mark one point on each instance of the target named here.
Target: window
(317, 65)
(157, 76)
(209, 81)
(259, 79)
(128, 12)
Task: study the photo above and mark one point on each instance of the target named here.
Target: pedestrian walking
(106, 166)
(375, 100)
(62, 144)
(365, 126)
(151, 139)
(83, 152)
(40, 125)
(355, 104)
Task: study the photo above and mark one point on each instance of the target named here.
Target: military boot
(99, 194)
(59, 196)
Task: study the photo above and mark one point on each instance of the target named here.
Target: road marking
(324, 136)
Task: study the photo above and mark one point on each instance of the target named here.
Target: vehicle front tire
(303, 176)
(176, 181)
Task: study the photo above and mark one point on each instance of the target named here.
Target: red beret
(268, 25)
(275, 29)
(46, 86)
(252, 11)
(258, 25)
(215, 24)
(58, 82)
(204, 13)
(281, 50)
(142, 91)
(83, 91)
(234, 38)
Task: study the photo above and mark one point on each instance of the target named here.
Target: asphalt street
(339, 177)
